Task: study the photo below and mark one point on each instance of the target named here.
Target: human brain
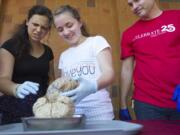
(53, 105)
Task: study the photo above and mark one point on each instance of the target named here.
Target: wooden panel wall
(104, 17)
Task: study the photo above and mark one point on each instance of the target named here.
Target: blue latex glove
(176, 96)
(124, 114)
(26, 88)
(85, 88)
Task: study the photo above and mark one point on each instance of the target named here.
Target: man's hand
(176, 96)
(85, 88)
(124, 114)
(26, 88)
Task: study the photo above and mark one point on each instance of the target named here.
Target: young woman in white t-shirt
(89, 60)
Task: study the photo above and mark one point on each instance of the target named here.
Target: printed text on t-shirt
(164, 29)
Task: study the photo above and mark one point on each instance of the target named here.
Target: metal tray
(103, 127)
(40, 124)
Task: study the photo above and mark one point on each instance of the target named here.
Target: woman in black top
(26, 66)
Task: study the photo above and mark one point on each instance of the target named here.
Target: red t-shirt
(155, 46)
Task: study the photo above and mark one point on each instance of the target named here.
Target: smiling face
(68, 28)
(142, 8)
(37, 27)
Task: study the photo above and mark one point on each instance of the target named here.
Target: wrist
(15, 90)
(123, 105)
(124, 109)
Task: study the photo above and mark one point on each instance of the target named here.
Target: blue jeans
(146, 111)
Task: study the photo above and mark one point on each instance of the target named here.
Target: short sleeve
(126, 47)
(100, 43)
(60, 64)
(9, 45)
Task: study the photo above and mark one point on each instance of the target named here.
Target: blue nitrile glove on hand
(85, 88)
(26, 88)
(124, 114)
(176, 96)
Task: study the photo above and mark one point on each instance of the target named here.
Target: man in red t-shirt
(150, 53)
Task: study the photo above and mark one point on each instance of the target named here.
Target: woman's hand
(26, 88)
(85, 88)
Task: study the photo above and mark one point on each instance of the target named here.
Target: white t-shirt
(81, 61)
